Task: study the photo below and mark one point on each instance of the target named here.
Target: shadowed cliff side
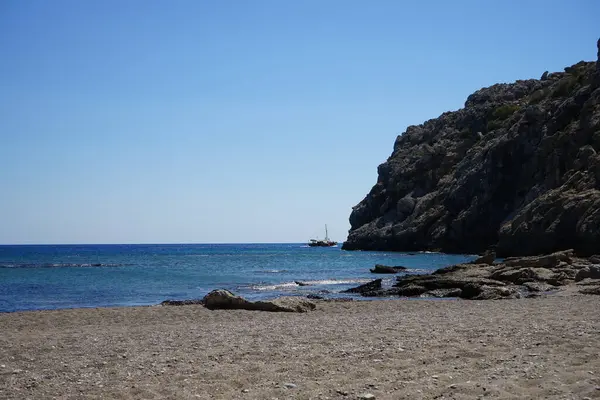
(517, 169)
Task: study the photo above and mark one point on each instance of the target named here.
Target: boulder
(385, 269)
(494, 293)
(592, 272)
(487, 258)
(475, 291)
(451, 269)
(433, 282)
(367, 287)
(561, 278)
(544, 261)
(286, 304)
(538, 287)
(521, 275)
(224, 299)
(595, 259)
(451, 292)
(409, 290)
(592, 290)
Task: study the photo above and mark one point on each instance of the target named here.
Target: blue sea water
(36, 277)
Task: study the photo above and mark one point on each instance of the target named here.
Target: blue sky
(239, 121)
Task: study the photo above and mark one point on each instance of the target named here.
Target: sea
(42, 277)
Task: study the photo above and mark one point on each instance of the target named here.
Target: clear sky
(194, 121)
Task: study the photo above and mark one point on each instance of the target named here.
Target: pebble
(453, 386)
(290, 385)
(245, 390)
(342, 392)
(366, 396)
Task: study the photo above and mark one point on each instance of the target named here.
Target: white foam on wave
(336, 281)
(60, 265)
(286, 285)
(272, 271)
(293, 285)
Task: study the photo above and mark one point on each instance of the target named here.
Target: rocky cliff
(517, 169)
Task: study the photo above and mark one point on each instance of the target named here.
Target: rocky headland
(517, 170)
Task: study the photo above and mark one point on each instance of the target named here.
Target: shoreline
(347, 299)
(523, 348)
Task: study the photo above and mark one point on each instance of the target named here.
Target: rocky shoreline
(485, 278)
(488, 279)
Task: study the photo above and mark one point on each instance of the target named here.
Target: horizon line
(145, 244)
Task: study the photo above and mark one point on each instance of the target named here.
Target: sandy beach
(398, 349)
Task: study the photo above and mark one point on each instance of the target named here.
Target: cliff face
(517, 169)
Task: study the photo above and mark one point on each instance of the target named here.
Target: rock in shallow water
(367, 287)
(513, 278)
(384, 269)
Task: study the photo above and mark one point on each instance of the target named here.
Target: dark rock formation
(367, 287)
(487, 258)
(594, 290)
(592, 272)
(518, 168)
(224, 299)
(595, 259)
(514, 278)
(385, 269)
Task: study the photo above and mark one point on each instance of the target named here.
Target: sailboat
(322, 243)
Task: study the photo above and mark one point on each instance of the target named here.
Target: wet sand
(397, 349)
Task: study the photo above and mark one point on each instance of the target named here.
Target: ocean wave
(336, 281)
(271, 271)
(60, 265)
(286, 285)
(295, 284)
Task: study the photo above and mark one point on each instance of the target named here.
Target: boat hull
(322, 244)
